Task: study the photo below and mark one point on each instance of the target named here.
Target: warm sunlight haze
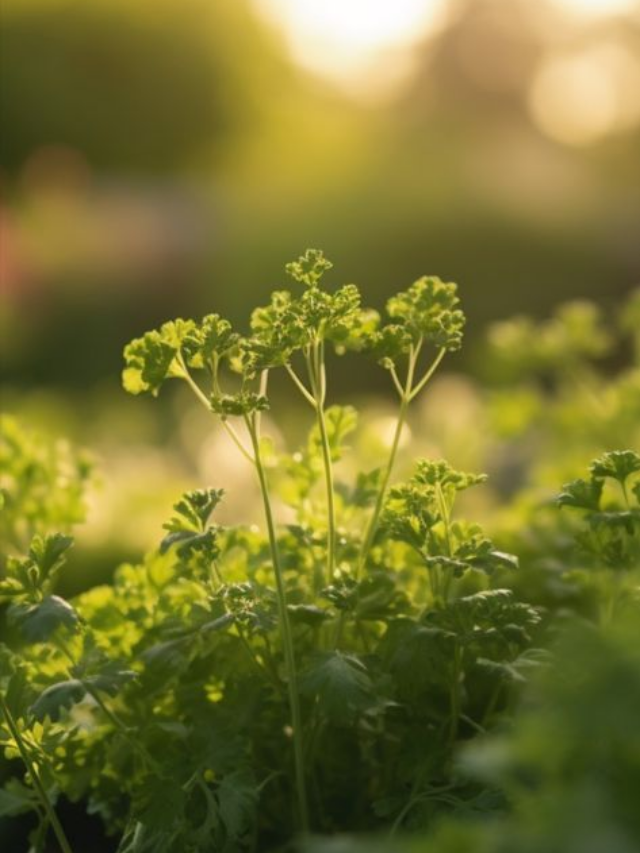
(599, 8)
(356, 41)
(577, 99)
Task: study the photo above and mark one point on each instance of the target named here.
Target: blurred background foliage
(168, 157)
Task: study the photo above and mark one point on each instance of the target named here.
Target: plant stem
(287, 635)
(427, 376)
(202, 397)
(407, 394)
(35, 778)
(300, 385)
(382, 491)
(113, 718)
(318, 386)
(445, 513)
(455, 696)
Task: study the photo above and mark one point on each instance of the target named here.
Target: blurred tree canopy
(142, 86)
(200, 158)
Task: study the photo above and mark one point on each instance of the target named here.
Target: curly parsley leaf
(39, 622)
(341, 685)
(616, 465)
(429, 310)
(309, 268)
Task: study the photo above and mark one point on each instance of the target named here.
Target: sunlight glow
(598, 8)
(356, 43)
(367, 47)
(579, 99)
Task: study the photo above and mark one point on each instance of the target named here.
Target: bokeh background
(167, 157)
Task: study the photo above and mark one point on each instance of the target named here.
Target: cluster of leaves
(239, 688)
(565, 777)
(554, 382)
(42, 485)
(612, 535)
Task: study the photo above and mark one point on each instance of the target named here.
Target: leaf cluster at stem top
(289, 324)
(427, 311)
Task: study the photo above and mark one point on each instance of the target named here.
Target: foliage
(239, 689)
(42, 485)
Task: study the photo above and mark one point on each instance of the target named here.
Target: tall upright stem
(407, 394)
(331, 509)
(287, 635)
(35, 778)
(318, 386)
(382, 491)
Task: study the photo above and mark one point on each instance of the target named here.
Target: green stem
(300, 385)
(318, 387)
(445, 514)
(113, 718)
(202, 397)
(625, 493)
(407, 394)
(287, 635)
(455, 696)
(427, 376)
(382, 491)
(35, 778)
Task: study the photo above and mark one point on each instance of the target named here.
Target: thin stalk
(113, 718)
(260, 668)
(35, 778)
(202, 397)
(625, 493)
(382, 491)
(446, 520)
(455, 696)
(427, 376)
(300, 385)
(287, 635)
(317, 380)
(407, 394)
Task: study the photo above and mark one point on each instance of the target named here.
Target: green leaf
(410, 513)
(309, 268)
(616, 465)
(17, 799)
(428, 309)
(279, 329)
(252, 606)
(346, 324)
(150, 360)
(419, 658)
(214, 338)
(391, 342)
(193, 510)
(500, 670)
(307, 614)
(341, 421)
(367, 487)
(478, 552)
(58, 697)
(47, 552)
(38, 622)
(243, 403)
(582, 494)
(488, 621)
(110, 679)
(439, 472)
(237, 796)
(341, 685)
(167, 658)
(160, 803)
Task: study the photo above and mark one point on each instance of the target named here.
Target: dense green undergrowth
(367, 663)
